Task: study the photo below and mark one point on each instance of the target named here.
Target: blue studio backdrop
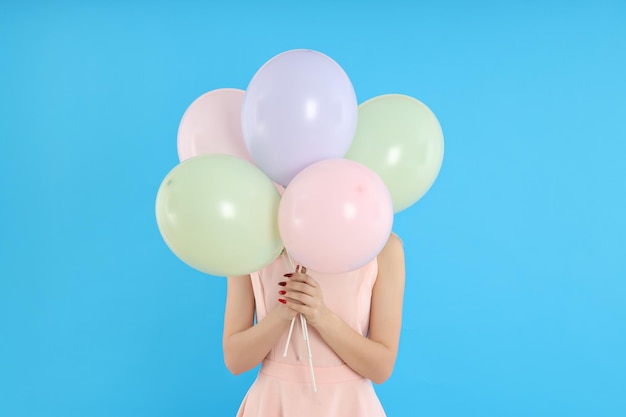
(515, 296)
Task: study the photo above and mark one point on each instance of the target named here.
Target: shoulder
(391, 260)
(393, 248)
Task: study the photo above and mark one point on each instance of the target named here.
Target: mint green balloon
(219, 215)
(400, 139)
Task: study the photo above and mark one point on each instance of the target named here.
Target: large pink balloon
(212, 125)
(335, 216)
(299, 108)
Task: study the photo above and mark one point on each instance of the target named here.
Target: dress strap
(257, 287)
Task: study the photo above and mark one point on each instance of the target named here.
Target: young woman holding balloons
(315, 274)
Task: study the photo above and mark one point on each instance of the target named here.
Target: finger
(300, 298)
(290, 298)
(303, 287)
(299, 277)
(307, 279)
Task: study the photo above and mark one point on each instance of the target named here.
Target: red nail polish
(288, 275)
(282, 292)
(282, 284)
(280, 300)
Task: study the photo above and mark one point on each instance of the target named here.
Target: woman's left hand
(303, 294)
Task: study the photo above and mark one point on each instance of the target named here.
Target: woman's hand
(302, 294)
(284, 312)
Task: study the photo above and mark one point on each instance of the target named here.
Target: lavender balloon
(299, 108)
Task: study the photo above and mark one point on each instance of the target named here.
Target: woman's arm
(244, 344)
(373, 357)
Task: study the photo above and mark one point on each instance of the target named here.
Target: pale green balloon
(400, 139)
(219, 215)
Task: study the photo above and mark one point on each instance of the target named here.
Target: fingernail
(280, 300)
(282, 284)
(282, 292)
(289, 275)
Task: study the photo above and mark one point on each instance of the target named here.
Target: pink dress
(283, 387)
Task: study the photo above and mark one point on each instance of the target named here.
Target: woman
(354, 322)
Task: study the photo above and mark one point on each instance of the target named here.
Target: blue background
(515, 298)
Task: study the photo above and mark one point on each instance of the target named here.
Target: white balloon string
(308, 348)
(304, 328)
(293, 320)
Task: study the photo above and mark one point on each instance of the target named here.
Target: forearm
(369, 358)
(246, 349)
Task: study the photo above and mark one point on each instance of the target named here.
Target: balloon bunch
(293, 162)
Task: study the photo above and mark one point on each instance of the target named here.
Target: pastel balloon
(399, 138)
(218, 214)
(299, 108)
(335, 216)
(212, 125)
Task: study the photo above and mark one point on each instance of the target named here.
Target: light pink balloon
(212, 125)
(335, 216)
